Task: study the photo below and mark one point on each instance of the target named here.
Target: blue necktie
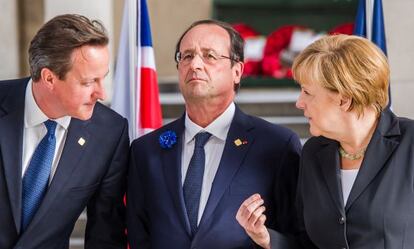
(194, 179)
(36, 177)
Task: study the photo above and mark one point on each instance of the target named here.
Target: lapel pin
(239, 142)
(81, 141)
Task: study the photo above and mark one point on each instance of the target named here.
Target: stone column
(9, 46)
(399, 23)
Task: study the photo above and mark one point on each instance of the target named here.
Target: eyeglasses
(209, 57)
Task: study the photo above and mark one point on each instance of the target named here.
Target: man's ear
(238, 68)
(48, 77)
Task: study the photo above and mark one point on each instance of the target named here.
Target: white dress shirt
(35, 130)
(348, 177)
(213, 150)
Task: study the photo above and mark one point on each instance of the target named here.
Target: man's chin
(83, 116)
(200, 91)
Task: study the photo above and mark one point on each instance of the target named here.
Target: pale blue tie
(36, 177)
(194, 180)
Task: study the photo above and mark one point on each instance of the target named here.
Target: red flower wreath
(251, 67)
(345, 28)
(276, 42)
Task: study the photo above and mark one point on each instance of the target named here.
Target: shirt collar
(218, 128)
(33, 116)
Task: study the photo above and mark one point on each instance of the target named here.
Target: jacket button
(342, 220)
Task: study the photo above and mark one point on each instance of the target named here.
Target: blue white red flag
(369, 23)
(136, 95)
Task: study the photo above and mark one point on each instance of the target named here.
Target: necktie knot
(51, 127)
(201, 139)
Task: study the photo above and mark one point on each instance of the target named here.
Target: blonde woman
(356, 179)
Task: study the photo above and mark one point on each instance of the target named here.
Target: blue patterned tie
(194, 180)
(36, 177)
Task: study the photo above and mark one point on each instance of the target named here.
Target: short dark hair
(54, 43)
(236, 41)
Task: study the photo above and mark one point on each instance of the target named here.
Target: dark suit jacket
(379, 212)
(91, 175)
(267, 164)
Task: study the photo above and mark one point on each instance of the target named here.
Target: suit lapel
(11, 145)
(329, 162)
(69, 160)
(230, 162)
(380, 148)
(171, 159)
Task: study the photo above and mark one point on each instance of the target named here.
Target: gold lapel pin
(238, 142)
(81, 141)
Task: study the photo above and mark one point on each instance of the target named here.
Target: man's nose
(100, 92)
(197, 62)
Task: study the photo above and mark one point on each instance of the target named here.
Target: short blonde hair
(349, 65)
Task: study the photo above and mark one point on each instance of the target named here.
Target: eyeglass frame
(179, 60)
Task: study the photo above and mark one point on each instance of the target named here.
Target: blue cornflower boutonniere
(167, 139)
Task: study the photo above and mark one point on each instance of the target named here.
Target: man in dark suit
(61, 150)
(188, 178)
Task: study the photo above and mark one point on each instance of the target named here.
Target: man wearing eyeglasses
(188, 178)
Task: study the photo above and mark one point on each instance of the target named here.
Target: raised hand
(250, 216)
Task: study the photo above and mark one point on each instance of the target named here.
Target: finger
(254, 206)
(251, 199)
(247, 211)
(260, 223)
(243, 210)
(247, 208)
(258, 230)
(255, 216)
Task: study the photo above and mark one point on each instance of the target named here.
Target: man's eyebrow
(93, 78)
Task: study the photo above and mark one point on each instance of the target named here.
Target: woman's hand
(250, 216)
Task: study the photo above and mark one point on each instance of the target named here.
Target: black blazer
(266, 163)
(91, 175)
(379, 212)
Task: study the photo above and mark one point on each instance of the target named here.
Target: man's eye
(88, 83)
(211, 56)
(187, 56)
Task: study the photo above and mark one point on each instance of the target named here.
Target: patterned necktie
(194, 180)
(36, 177)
